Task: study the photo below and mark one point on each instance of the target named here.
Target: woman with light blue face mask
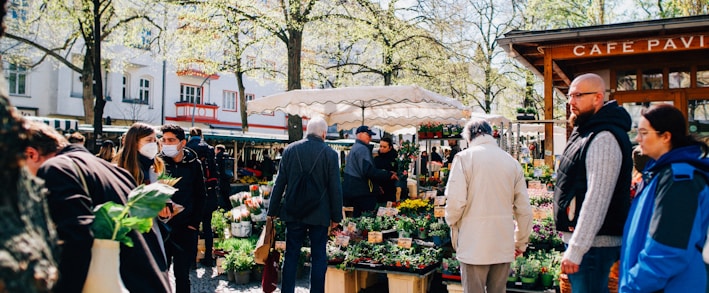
(139, 154)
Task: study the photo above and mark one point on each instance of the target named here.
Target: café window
(698, 116)
(652, 79)
(679, 78)
(703, 76)
(626, 80)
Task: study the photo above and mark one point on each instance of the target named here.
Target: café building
(643, 63)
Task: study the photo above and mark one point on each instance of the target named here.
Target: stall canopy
(57, 123)
(386, 107)
(206, 133)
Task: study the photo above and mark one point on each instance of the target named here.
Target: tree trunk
(98, 89)
(242, 101)
(295, 45)
(87, 82)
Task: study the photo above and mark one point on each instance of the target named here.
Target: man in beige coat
(486, 195)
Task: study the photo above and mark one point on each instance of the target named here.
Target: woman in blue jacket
(667, 224)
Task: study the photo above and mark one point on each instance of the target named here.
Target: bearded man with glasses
(592, 194)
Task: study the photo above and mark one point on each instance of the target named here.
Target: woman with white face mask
(139, 154)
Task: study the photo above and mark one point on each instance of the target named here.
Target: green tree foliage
(58, 29)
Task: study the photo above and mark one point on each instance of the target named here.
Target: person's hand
(192, 228)
(568, 267)
(518, 253)
(393, 176)
(333, 224)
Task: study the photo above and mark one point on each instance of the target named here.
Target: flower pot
(547, 280)
(429, 134)
(259, 218)
(104, 274)
(241, 229)
(242, 277)
(528, 283)
(230, 275)
(512, 279)
(438, 134)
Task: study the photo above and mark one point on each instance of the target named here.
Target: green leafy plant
(238, 262)
(439, 229)
(451, 265)
(114, 221)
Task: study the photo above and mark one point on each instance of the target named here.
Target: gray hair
(316, 126)
(476, 127)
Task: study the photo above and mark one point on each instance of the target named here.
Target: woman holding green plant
(78, 182)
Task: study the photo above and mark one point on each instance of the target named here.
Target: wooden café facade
(643, 63)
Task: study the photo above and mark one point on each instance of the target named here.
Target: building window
(190, 94)
(144, 91)
(125, 88)
(652, 79)
(679, 78)
(18, 9)
(229, 102)
(703, 76)
(250, 97)
(16, 78)
(626, 80)
(146, 37)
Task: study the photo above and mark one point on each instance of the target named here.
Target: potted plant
(229, 265)
(513, 274)
(451, 268)
(439, 231)
(405, 226)
(423, 130)
(523, 114)
(111, 227)
(529, 272)
(437, 130)
(243, 263)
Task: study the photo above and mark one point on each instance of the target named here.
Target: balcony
(203, 113)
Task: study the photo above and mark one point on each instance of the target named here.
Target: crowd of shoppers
(658, 233)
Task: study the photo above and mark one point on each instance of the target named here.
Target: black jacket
(205, 154)
(571, 174)
(326, 174)
(387, 161)
(191, 191)
(143, 267)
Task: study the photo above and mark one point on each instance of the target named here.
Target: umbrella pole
(362, 115)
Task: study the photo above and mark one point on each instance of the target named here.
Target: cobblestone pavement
(206, 280)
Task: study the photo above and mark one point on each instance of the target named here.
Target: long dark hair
(667, 118)
(127, 157)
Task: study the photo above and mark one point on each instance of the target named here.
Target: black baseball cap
(366, 129)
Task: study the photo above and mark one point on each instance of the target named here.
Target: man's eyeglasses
(576, 96)
(644, 132)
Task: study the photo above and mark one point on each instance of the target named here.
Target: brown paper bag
(265, 242)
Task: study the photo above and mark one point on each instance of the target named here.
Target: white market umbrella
(387, 107)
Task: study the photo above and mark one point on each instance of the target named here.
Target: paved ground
(206, 280)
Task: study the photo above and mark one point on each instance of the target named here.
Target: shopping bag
(265, 242)
(269, 279)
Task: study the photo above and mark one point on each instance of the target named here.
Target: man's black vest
(571, 180)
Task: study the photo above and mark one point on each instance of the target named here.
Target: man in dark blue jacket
(360, 171)
(309, 155)
(181, 162)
